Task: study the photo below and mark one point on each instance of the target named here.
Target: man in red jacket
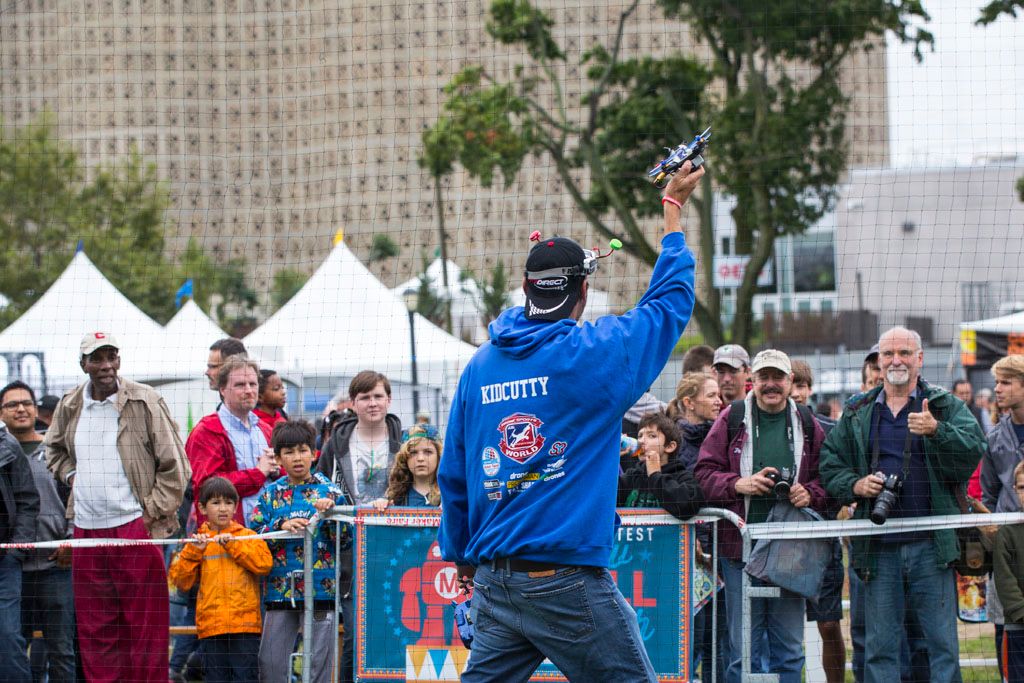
(232, 442)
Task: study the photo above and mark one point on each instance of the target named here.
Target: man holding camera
(747, 466)
(900, 450)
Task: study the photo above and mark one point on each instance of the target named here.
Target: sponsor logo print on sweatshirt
(491, 462)
(520, 437)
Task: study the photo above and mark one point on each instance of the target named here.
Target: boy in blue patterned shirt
(288, 504)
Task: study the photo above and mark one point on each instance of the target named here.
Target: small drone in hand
(677, 157)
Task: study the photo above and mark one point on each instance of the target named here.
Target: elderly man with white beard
(915, 442)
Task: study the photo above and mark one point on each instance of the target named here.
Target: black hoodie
(673, 488)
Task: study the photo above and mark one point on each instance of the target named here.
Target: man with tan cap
(739, 467)
(732, 370)
(113, 441)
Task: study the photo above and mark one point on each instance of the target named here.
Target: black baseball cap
(555, 271)
(48, 403)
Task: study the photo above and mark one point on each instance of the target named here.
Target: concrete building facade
(277, 122)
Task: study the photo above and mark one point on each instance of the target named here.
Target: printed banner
(403, 594)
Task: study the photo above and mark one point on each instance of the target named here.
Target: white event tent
(344, 320)
(463, 294)
(184, 345)
(81, 300)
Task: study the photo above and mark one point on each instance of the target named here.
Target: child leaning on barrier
(1008, 568)
(289, 504)
(659, 478)
(413, 479)
(228, 566)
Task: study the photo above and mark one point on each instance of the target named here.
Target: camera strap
(876, 420)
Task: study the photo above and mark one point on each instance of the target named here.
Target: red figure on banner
(434, 584)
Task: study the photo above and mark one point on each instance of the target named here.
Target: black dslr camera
(782, 481)
(891, 486)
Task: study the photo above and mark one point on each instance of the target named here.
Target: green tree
(431, 304)
(221, 289)
(287, 283)
(382, 248)
(494, 296)
(48, 205)
(997, 8)
(770, 89)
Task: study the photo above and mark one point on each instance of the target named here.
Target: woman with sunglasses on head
(413, 479)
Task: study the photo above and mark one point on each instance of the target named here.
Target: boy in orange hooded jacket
(228, 567)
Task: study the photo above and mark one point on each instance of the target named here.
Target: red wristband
(668, 199)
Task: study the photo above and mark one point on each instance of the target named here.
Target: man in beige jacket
(113, 441)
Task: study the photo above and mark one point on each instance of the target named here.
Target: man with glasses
(219, 351)
(46, 598)
(732, 369)
(114, 443)
(924, 438)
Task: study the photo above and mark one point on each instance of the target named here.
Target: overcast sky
(964, 100)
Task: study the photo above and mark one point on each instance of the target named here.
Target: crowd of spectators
(735, 427)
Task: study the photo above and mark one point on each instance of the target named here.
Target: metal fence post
(308, 594)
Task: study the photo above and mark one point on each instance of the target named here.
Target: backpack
(738, 411)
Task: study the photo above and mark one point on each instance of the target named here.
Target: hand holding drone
(680, 155)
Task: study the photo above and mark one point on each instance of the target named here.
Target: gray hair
(903, 330)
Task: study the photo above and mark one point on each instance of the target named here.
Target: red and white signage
(729, 272)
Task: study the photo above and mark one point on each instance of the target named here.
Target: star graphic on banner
(389, 573)
(393, 562)
(387, 585)
(387, 609)
(645, 556)
(397, 632)
(407, 542)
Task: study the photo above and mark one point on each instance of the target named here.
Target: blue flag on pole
(184, 291)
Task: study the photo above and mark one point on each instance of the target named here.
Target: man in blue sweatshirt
(531, 461)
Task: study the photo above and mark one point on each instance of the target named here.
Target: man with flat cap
(531, 461)
(113, 441)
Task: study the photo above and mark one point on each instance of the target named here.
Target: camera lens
(781, 488)
(883, 506)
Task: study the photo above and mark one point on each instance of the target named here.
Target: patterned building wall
(276, 122)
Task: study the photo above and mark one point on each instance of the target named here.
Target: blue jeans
(47, 605)
(576, 618)
(185, 646)
(13, 655)
(704, 631)
(907, 577)
(776, 627)
(857, 623)
(231, 657)
(347, 659)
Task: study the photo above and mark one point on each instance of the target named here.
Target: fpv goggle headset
(589, 265)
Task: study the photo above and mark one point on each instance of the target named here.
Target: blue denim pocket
(561, 603)
(481, 611)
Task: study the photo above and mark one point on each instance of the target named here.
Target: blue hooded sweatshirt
(531, 455)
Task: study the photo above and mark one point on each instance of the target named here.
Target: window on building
(814, 262)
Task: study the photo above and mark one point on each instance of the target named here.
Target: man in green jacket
(926, 439)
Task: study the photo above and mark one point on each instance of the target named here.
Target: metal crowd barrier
(750, 533)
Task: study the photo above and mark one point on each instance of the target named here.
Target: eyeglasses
(14, 405)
